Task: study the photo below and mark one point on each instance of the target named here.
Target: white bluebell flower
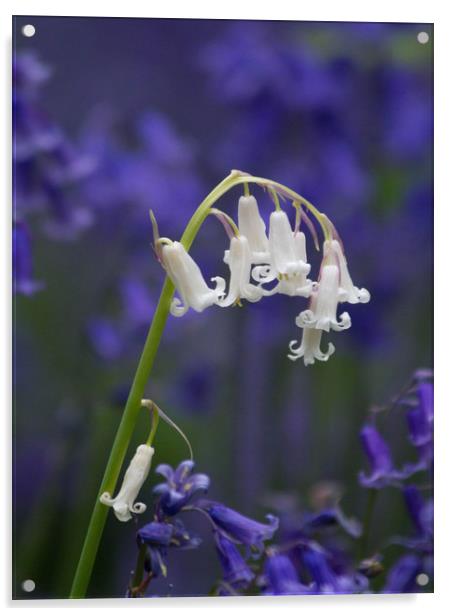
(322, 313)
(294, 285)
(287, 254)
(239, 262)
(351, 293)
(124, 503)
(252, 226)
(189, 281)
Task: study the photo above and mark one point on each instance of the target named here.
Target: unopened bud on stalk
(124, 503)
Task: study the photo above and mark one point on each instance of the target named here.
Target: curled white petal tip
(138, 508)
(363, 295)
(178, 308)
(106, 499)
(306, 318)
(309, 348)
(344, 322)
(124, 503)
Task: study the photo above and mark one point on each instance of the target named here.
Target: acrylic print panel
(276, 435)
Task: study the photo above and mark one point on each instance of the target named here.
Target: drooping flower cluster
(231, 530)
(262, 265)
(311, 557)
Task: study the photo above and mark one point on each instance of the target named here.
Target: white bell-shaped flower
(239, 262)
(323, 310)
(285, 251)
(309, 348)
(352, 294)
(189, 281)
(252, 226)
(295, 285)
(124, 503)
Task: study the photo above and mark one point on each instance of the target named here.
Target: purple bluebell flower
(420, 423)
(421, 516)
(46, 166)
(23, 278)
(383, 472)
(281, 576)
(239, 528)
(325, 579)
(29, 72)
(421, 513)
(180, 486)
(236, 572)
(33, 132)
(159, 537)
(402, 575)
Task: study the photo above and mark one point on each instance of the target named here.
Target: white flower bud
(189, 281)
(124, 503)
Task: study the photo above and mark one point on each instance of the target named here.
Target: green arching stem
(245, 179)
(146, 362)
(133, 405)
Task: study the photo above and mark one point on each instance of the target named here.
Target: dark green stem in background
(138, 585)
(364, 544)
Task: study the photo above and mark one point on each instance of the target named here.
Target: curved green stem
(133, 405)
